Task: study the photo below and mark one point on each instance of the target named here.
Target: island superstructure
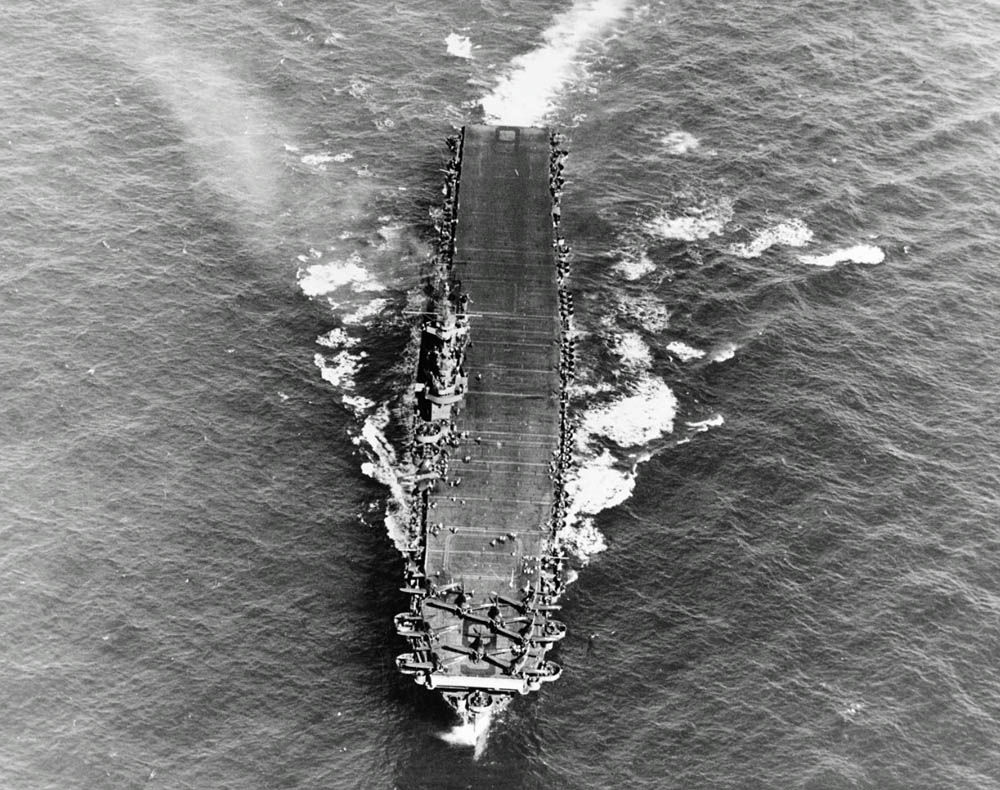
(490, 433)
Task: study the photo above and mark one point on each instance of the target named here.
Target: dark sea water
(785, 219)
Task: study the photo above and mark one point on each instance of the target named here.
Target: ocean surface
(784, 220)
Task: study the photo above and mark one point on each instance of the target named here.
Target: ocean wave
(644, 413)
(703, 425)
(365, 313)
(321, 279)
(599, 483)
(319, 161)
(793, 233)
(679, 143)
(341, 369)
(632, 349)
(525, 96)
(383, 466)
(692, 223)
(860, 253)
(646, 308)
(579, 535)
(337, 338)
(358, 404)
(635, 266)
(722, 353)
(458, 46)
(683, 351)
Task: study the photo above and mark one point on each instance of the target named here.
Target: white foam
(683, 351)
(337, 338)
(600, 480)
(581, 539)
(342, 369)
(458, 46)
(359, 404)
(712, 422)
(324, 278)
(525, 96)
(320, 161)
(315, 160)
(633, 350)
(860, 253)
(696, 222)
(645, 308)
(641, 416)
(470, 734)
(793, 233)
(599, 483)
(722, 353)
(582, 390)
(679, 143)
(390, 234)
(365, 312)
(635, 268)
(382, 466)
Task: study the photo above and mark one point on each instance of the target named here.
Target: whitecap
(525, 96)
(722, 353)
(315, 160)
(703, 425)
(679, 143)
(641, 416)
(340, 371)
(859, 253)
(646, 308)
(598, 484)
(633, 350)
(582, 539)
(683, 351)
(337, 338)
(694, 223)
(793, 233)
(636, 267)
(458, 46)
(359, 404)
(324, 278)
(577, 390)
(365, 312)
(383, 467)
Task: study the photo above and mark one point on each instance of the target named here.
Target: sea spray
(683, 351)
(526, 94)
(691, 222)
(384, 466)
(458, 46)
(470, 734)
(639, 416)
(791, 233)
(867, 254)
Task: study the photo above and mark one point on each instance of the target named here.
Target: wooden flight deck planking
(505, 261)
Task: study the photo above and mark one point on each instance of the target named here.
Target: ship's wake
(471, 734)
(526, 94)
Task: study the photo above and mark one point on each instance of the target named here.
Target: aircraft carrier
(489, 433)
